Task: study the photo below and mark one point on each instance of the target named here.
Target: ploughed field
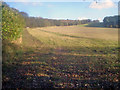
(67, 57)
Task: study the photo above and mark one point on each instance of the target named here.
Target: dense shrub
(12, 23)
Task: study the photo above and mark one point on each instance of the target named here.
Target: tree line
(112, 21)
(42, 22)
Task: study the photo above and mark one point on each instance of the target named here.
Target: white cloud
(100, 19)
(82, 18)
(102, 5)
(58, 18)
(37, 4)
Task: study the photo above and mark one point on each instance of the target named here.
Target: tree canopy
(112, 21)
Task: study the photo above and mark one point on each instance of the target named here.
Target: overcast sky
(68, 10)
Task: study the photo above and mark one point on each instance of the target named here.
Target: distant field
(76, 36)
(89, 32)
(78, 40)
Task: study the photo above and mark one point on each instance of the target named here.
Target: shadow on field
(18, 79)
(60, 70)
